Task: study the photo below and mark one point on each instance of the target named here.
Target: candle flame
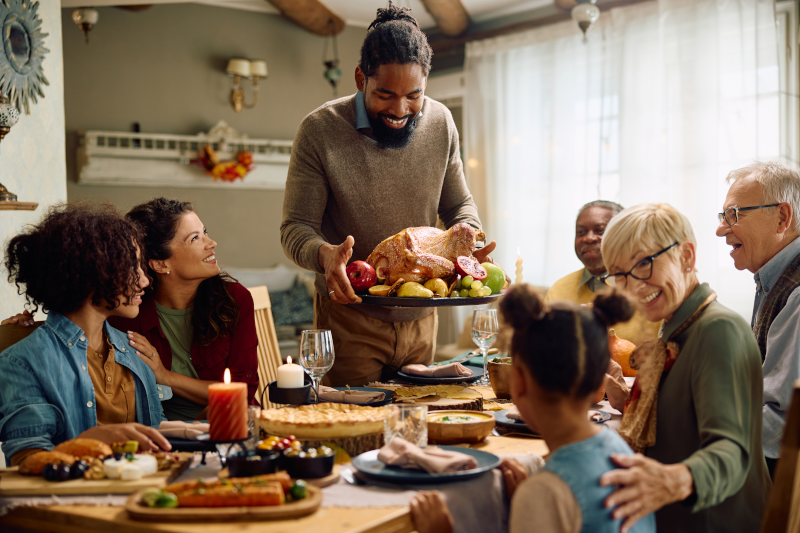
(227, 378)
(288, 359)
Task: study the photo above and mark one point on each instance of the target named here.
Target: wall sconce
(245, 68)
(85, 18)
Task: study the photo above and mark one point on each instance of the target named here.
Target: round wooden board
(448, 404)
(304, 507)
(354, 446)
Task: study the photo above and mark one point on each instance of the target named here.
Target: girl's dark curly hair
(215, 312)
(565, 346)
(77, 251)
(394, 37)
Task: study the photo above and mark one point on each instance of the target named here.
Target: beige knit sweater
(341, 183)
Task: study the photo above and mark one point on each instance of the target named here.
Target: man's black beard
(392, 138)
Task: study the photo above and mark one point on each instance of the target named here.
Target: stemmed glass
(316, 355)
(484, 334)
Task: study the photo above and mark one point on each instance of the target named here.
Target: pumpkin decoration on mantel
(621, 351)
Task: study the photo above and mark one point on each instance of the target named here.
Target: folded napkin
(513, 414)
(433, 460)
(176, 429)
(329, 394)
(453, 370)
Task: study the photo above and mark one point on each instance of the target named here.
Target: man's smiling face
(393, 98)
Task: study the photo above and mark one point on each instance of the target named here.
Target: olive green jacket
(709, 418)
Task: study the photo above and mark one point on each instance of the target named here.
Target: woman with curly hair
(75, 376)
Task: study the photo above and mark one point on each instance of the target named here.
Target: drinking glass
(409, 422)
(484, 334)
(316, 355)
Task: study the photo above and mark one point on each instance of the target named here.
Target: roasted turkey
(419, 254)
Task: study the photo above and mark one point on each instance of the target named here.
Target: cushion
(292, 307)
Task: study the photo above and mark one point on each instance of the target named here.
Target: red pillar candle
(227, 410)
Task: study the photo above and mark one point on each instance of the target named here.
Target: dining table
(339, 517)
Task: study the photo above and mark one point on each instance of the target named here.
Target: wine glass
(484, 334)
(316, 355)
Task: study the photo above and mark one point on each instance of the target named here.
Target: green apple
(495, 279)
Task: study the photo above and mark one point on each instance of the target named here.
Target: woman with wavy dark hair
(75, 376)
(195, 320)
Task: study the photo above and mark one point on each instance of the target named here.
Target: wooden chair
(269, 354)
(783, 508)
(12, 333)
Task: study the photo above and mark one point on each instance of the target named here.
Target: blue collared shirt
(782, 361)
(47, 395)
(362, 119)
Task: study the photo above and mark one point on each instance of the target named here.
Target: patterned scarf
(653, 359)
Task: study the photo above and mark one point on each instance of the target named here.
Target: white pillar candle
(290, 376)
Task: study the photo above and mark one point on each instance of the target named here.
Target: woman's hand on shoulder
(513, 475)
(150, 356)
(429, 513)
(644, 486)
(24, 319)
(149, 439)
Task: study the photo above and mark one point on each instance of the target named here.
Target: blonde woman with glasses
(694, 413)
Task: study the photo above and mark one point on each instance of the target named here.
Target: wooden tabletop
(83, 518)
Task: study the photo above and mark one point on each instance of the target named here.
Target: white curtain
(663, 101)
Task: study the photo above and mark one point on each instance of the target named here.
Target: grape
(463, 293)
(477, 285)
(487, 291)
(475, 293)
(454, 294)
(467, 282)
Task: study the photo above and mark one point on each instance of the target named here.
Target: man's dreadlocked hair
(394, 37)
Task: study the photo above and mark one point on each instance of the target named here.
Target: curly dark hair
(215, 312)
(564, 345)
(77, 251)
(394, 37)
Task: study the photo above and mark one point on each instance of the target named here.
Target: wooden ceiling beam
(450, 15)
(311, 15)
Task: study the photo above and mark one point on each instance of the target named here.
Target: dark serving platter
(395, 301)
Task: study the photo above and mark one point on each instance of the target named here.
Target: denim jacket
(47, 395)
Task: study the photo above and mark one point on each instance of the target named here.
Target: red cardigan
(237, 352)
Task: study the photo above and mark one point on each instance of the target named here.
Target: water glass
(484, 334)
(316, 355)
(409, 422)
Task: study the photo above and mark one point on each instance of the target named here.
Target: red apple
(469, 266)
(362, 276)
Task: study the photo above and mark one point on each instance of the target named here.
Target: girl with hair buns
(560, 356)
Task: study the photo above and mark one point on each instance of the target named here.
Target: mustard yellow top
(570, 289)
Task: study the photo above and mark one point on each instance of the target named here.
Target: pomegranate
(621, 353)
(361, 275)
(469, 266)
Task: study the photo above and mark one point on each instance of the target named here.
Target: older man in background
(581, 286)
(759, 222)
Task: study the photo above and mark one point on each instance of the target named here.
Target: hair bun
(522, 306)
(611, 308)
(391, 13)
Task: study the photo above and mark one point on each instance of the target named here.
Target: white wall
(32, 157)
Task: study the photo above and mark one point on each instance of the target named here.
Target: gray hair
(779, 183)
(613, 206)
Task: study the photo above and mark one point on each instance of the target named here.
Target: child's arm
(430, 514)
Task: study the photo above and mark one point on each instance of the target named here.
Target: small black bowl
(241, 465)
(308, 467)
(298, 396)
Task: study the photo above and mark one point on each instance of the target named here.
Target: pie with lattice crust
(325, 420)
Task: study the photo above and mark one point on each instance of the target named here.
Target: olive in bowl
(242, 465)
(309, 463)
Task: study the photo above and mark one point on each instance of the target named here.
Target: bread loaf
(85, 447)
(35, 462)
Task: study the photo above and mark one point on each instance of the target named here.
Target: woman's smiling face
(193, 254)
(658, 297)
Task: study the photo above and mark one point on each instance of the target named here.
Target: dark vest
(776, 301)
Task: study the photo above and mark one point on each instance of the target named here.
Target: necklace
(164, 322)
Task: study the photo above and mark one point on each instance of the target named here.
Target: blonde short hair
(645, 227)
(779, 183)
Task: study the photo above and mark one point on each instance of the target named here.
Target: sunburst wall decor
(21, 75)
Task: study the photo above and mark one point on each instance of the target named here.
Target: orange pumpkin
(621, 353)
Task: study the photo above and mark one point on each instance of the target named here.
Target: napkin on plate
(433, 460)
(175, 429)
(514, 415)
(329, 394)
(453, 370)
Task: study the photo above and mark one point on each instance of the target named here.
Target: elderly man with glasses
(760, 221)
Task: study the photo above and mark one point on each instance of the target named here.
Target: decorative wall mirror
(21, 75)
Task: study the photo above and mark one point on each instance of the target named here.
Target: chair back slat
(269, 354)
(12, 333)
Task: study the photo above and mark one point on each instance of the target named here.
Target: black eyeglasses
(731, 215)
(642, 270)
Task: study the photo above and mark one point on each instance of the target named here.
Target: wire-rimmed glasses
(731, 215)
(316, 354)
(642, 270)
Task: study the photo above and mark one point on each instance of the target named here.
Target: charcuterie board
(12, 483)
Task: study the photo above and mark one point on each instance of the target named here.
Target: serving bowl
(308, 467)
(454, 427)
(262, 462)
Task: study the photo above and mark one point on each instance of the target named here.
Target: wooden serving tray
(12, 483)
(304, 507)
